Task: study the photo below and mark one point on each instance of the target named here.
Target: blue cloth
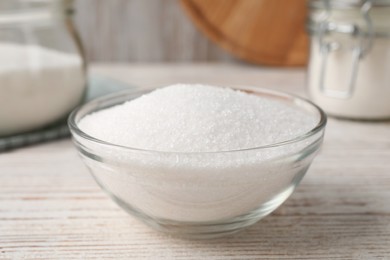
(97, 86)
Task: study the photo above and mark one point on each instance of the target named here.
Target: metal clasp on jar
(364, 41)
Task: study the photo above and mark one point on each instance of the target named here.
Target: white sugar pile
(199, 187)
(197, 118)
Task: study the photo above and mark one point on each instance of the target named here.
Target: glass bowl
(199, 194)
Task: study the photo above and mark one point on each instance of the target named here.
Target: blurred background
(141, 31)
(191, 30)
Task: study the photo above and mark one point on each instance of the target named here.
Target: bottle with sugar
(348, 74)
(42, 69)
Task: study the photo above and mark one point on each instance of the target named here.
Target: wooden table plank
(50, 207)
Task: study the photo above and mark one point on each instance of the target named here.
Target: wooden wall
(141, 31)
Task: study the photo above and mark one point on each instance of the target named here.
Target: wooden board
(51, 208)
(269, 32)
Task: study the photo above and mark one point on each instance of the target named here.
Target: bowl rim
(76, 131)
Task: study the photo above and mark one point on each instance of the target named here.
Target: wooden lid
(268, 32)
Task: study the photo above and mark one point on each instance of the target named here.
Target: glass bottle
(42, 66)
(349, 65)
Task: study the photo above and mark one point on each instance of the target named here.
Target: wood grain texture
(50, 207)
(141, 31)
(261, 31)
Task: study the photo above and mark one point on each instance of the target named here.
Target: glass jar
(42, 67)
(349, 66)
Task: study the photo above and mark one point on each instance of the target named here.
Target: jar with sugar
(42, 69)
(349, 65)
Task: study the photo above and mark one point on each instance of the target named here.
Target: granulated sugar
(197, 118)
(194, 186)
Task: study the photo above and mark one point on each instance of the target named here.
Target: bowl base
(208, 230)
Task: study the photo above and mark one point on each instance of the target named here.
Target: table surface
(50, 207)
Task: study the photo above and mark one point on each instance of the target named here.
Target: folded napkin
(97, 86)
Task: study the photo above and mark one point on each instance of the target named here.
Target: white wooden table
(50, 208)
